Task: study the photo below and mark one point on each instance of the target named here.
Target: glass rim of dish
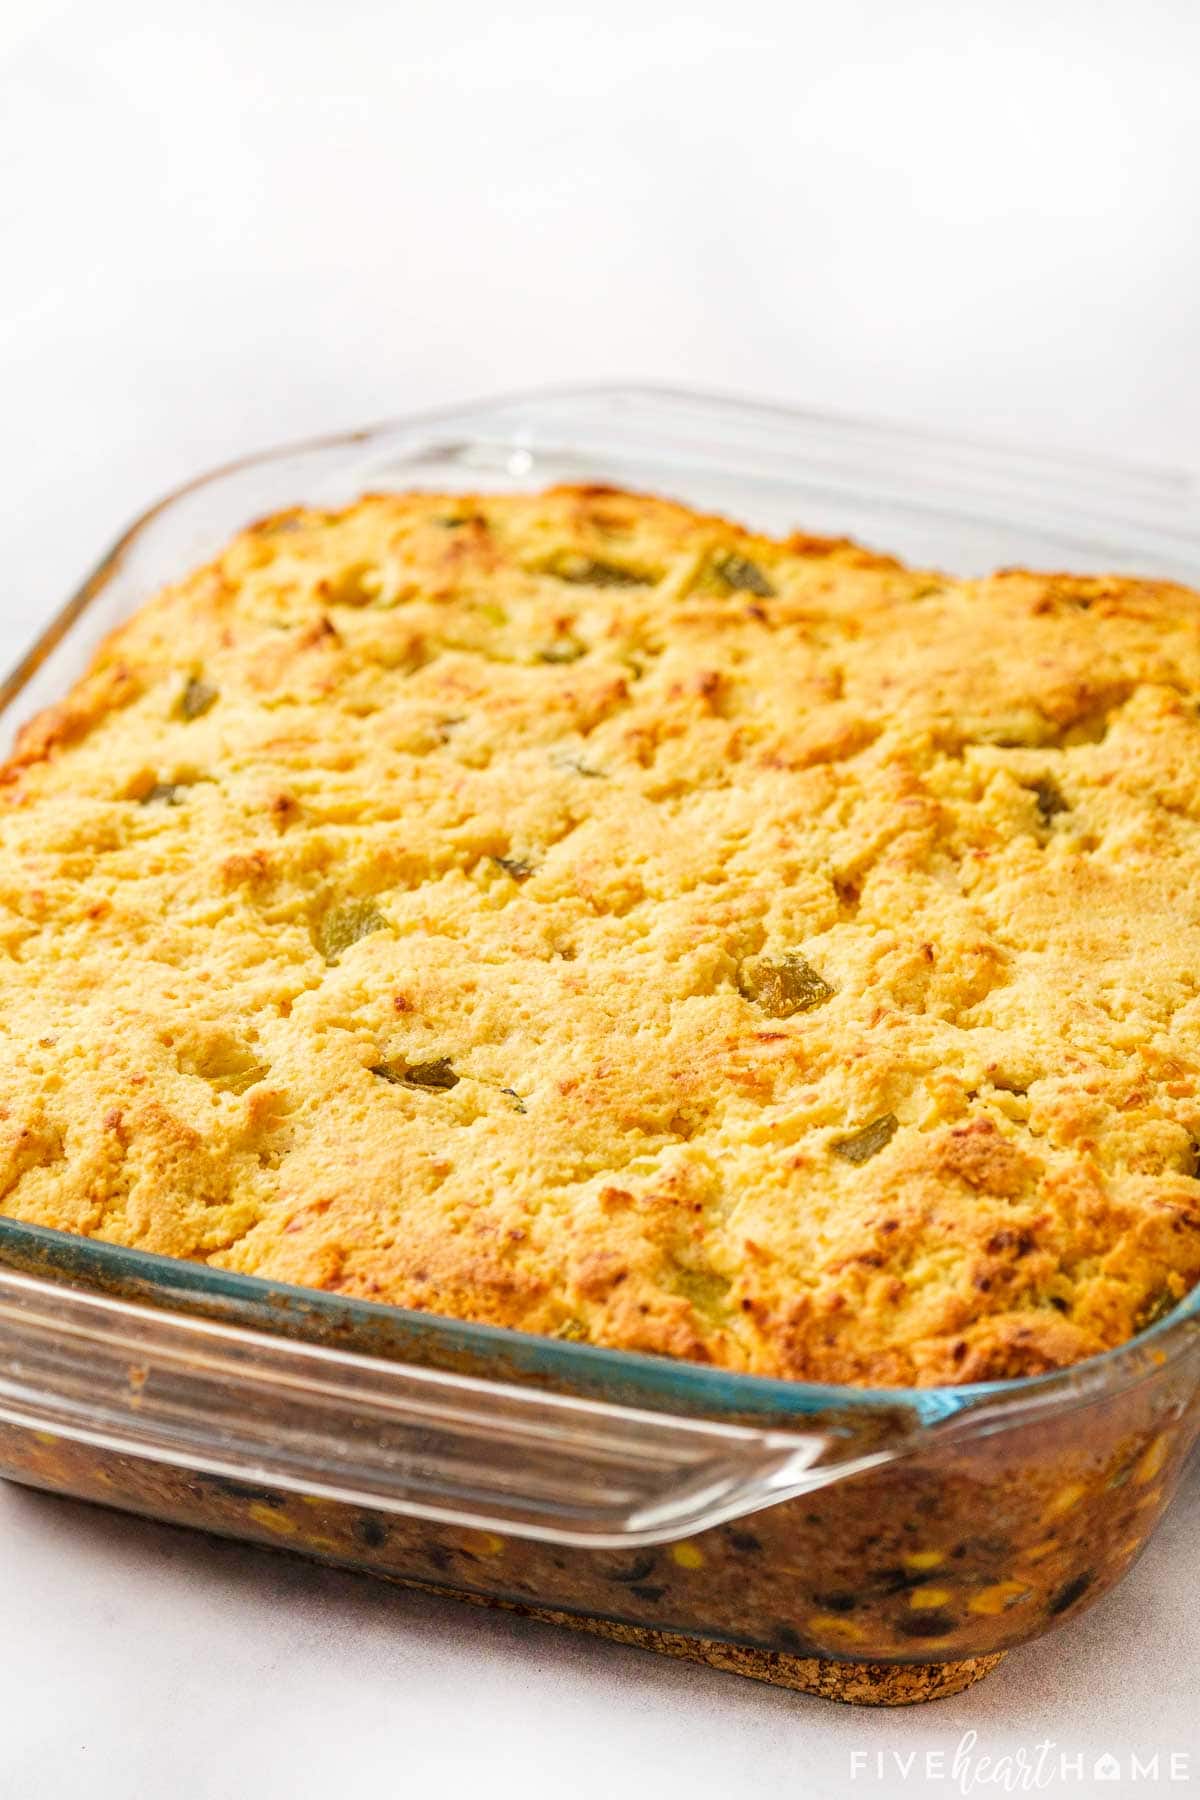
(164, 1284)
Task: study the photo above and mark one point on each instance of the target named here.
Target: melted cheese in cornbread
(575, 913)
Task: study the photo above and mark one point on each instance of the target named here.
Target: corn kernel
(270, 1520)
(45, 1437)
(483, 1543)
(1151, 1464)
(923, 1559)
(1036, 1552)
(928, 1597)
(687, 1556)
(998, 1598)
(831, 1624)
(1065, 1499)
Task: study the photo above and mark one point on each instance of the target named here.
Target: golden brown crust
(576, 913)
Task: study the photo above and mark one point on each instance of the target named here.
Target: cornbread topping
(575, 913)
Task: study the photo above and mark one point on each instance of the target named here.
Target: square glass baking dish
(832, 1537)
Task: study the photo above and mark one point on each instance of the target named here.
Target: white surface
(229, 224)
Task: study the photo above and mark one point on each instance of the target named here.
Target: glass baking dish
(828, 1537)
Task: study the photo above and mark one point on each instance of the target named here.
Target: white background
(235, 223)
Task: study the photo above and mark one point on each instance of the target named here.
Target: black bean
(637, 1571)
(745, 1541)
(894, 1581)
(839, 1602)
(371, 1533)
(1068, 1595)
(930, 1624)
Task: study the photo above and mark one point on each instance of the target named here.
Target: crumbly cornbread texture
(575, 913)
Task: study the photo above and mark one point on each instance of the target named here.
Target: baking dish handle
(201, 1395)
